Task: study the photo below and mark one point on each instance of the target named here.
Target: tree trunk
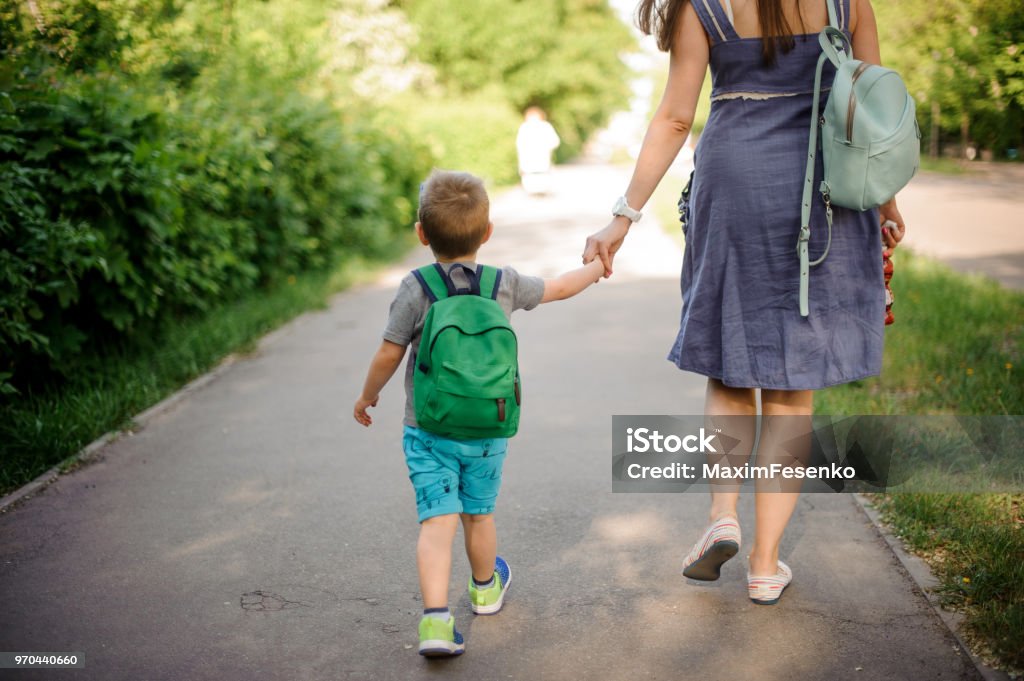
(965, 133)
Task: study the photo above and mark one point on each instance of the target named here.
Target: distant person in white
(534, 143)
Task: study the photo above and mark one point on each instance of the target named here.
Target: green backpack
(466, 383)
(870, 141)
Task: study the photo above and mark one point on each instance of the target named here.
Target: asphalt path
(973, 222)
(255, 531)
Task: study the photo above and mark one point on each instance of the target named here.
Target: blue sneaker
(489, 601)
(439, 638)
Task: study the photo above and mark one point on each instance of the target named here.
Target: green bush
(84, 229)
(118, 214)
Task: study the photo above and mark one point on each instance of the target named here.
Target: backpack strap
(842, 8)
(834, 45)
(437, 283)
(490, 280)
(805, 206)
(833, 15)
(434, 281)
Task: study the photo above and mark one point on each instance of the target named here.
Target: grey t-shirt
(409, 310)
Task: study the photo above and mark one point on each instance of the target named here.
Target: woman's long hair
(660, 18)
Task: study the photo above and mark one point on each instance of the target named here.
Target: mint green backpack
(466, 382)
(870, 140)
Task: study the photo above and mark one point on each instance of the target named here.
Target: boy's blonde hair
(454, 212)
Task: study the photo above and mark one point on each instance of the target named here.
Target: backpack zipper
(425, 368)
(437, 333)
(853, 101)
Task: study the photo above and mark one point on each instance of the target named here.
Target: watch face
(622, 208)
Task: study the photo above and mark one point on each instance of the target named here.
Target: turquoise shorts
(453, 476)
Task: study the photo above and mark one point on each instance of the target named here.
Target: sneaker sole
(708, 567)
(493, 608)
(440, 648)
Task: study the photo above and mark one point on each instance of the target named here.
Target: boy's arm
(382, 368)
(569, 284)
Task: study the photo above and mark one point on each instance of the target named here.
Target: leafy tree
(963, 62)
(562, 55)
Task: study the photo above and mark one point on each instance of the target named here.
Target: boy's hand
(389, 356)
(604, 244)
(362, 405)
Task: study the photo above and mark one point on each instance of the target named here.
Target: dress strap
(715, 20)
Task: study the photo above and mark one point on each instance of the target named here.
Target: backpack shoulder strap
(802, 246)
(833, 18)
(490, 280)
(434, 281)
(437, 284)
(842, 9)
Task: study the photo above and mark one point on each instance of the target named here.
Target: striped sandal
(720, 542)
(767, 590)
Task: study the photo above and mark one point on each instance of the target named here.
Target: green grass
(974, 544)
(957, 166)
(955, 349)
(946, 166)
(43, 429)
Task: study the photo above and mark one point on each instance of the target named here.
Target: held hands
(891, 236)
(606, 243)
(362, 404)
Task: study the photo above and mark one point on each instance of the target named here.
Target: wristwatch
(622, 208)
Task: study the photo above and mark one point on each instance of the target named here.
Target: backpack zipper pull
(501, 408)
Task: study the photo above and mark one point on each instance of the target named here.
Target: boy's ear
(488, 233)
(421, 235)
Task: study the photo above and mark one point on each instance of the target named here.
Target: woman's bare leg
(734, 410)
(779, 437)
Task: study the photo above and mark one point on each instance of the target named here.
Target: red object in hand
(887, 271)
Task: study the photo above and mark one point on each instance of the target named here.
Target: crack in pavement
(385, 627)
(266, 601)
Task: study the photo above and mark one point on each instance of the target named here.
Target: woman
(740, 324)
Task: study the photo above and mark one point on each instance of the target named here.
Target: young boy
(454, 477)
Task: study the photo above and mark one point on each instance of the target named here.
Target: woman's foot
(767, 589)
(719, 543)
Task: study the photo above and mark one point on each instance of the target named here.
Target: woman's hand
(891, 236)
(606, 243)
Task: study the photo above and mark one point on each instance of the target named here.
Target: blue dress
(740, 280)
